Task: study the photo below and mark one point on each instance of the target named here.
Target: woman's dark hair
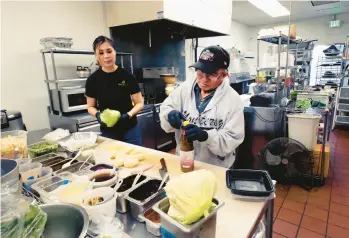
(100, 40)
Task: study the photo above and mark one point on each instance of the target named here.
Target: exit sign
(335, 23)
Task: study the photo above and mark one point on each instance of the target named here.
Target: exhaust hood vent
(174, 29)
(320, 3)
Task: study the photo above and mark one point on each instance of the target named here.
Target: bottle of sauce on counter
(186, 152)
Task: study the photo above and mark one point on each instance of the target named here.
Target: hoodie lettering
(204, 122)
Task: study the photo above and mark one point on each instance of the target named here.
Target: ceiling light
(271, 7)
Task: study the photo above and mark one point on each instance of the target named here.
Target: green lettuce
(190, 196)
(110, 117)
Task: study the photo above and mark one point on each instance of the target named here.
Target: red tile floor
(322, 212)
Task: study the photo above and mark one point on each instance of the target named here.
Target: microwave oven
(68, 100)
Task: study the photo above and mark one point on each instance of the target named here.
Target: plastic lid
(304, 116)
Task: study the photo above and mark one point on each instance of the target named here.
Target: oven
(68, 100)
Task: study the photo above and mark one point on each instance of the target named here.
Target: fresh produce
(42, 148)
(30, 225)
(11, 143)
(110, 117)
(190, 195)
(304, 103)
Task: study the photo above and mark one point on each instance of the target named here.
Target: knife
(163, 170)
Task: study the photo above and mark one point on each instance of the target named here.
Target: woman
(113, 87)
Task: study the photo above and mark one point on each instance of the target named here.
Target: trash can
(304, 128)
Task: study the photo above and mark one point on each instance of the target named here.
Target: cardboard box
(284, 30)
(317, 160)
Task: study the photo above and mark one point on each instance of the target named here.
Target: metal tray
(205, 227)
(122, 204)
(138, 207)
(74, 168)
(152, 227)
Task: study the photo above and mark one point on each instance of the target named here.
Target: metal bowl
(65, 221)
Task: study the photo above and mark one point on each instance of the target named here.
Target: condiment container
(103, 178)
(205, 227)
(42, 148)
(100, 166)
(52, 160)
(46, 186)
(29, 170)
(122, 204)
(72, 192)
(44, 172)
(45, 157)
(74, 168)
(107, 208)
(152, 221)
(144, 196)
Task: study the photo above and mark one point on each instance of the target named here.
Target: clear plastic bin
(46, 186)
(45, 172)
(14, 143)
(42, 148)
(29, 170)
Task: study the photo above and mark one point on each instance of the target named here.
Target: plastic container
(42, 148)
(246, 182)
(72, 192)
(23, 161)
(74, 168)
(44, 172)
(46, 186)
(14, 143)
(107, 208)
(304, 128)
(29, 170)
(101, 175)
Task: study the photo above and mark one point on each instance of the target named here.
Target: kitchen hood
(185, 19)
(176, 30)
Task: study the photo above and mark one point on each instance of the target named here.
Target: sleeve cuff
(211, 135)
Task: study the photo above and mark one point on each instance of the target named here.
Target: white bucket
(304, 128)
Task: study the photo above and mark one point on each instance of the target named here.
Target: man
(213, 108)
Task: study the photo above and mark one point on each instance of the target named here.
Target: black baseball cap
(211, 59)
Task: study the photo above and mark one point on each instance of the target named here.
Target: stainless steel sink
(65, 221)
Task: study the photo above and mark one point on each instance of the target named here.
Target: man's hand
(194, 133)
(175, 119)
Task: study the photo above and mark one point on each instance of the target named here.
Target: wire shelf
(328, 69)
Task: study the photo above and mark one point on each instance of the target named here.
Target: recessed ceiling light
(271, 7)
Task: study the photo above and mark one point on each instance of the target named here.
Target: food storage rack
(57, 82)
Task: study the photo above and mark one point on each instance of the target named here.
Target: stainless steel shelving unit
(326, 65)
(279, 40)
(52, 52)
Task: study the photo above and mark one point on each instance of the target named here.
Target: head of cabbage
(110, 117)
(190, 196)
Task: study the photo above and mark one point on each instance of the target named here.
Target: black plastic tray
(246, 182)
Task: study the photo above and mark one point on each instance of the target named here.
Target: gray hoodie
(223, 119)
